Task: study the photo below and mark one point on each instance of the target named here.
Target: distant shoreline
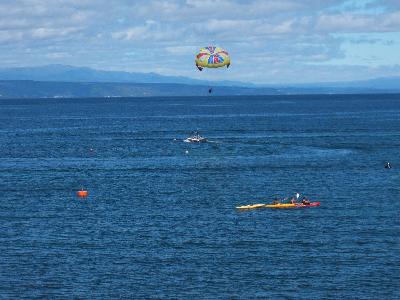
(16, 89)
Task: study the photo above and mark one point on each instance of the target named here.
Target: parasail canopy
(212, 57)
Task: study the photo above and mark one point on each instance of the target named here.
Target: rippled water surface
(160, 220)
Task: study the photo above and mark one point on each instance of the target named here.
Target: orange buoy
(82, 193)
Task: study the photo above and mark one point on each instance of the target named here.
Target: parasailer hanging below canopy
(212, 57)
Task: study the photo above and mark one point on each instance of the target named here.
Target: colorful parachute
(212, 57)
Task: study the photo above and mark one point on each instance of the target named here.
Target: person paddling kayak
(294, 199)
(276, 201)
(305, 201)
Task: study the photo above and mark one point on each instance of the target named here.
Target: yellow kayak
(251, 206)
(280, 205)
(261, 205)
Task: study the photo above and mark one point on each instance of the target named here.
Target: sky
(280, 41)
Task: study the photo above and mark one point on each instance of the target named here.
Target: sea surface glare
(160, 219)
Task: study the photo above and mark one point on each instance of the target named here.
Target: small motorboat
(196, 138)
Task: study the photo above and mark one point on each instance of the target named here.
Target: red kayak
(306, 205)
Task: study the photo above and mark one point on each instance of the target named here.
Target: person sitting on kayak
(305, 201)
(294, 198)
(276, 201)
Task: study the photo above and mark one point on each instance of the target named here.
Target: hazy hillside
(81, 74)
(67, 81)
(47, 89)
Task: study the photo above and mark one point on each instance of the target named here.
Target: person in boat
(294, 199)
(194, 135)
(276, 201)
(387, 165)
(305, 201)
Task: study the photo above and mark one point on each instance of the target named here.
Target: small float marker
(82, 193)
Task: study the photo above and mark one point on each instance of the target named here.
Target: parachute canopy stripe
(215, 59)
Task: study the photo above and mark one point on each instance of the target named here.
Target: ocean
(160, 220)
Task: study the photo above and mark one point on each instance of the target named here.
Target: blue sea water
(160, 219)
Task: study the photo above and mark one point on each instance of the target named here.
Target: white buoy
(186, 151)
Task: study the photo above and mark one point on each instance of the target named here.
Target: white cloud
(10, 36)
(359, 23)
(133, 33)
(43, 33)
(58, 55)
(179, 50)
(151, 31)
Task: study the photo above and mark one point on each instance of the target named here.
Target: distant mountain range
(65, 73)
(52, 89)
(68, 81)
